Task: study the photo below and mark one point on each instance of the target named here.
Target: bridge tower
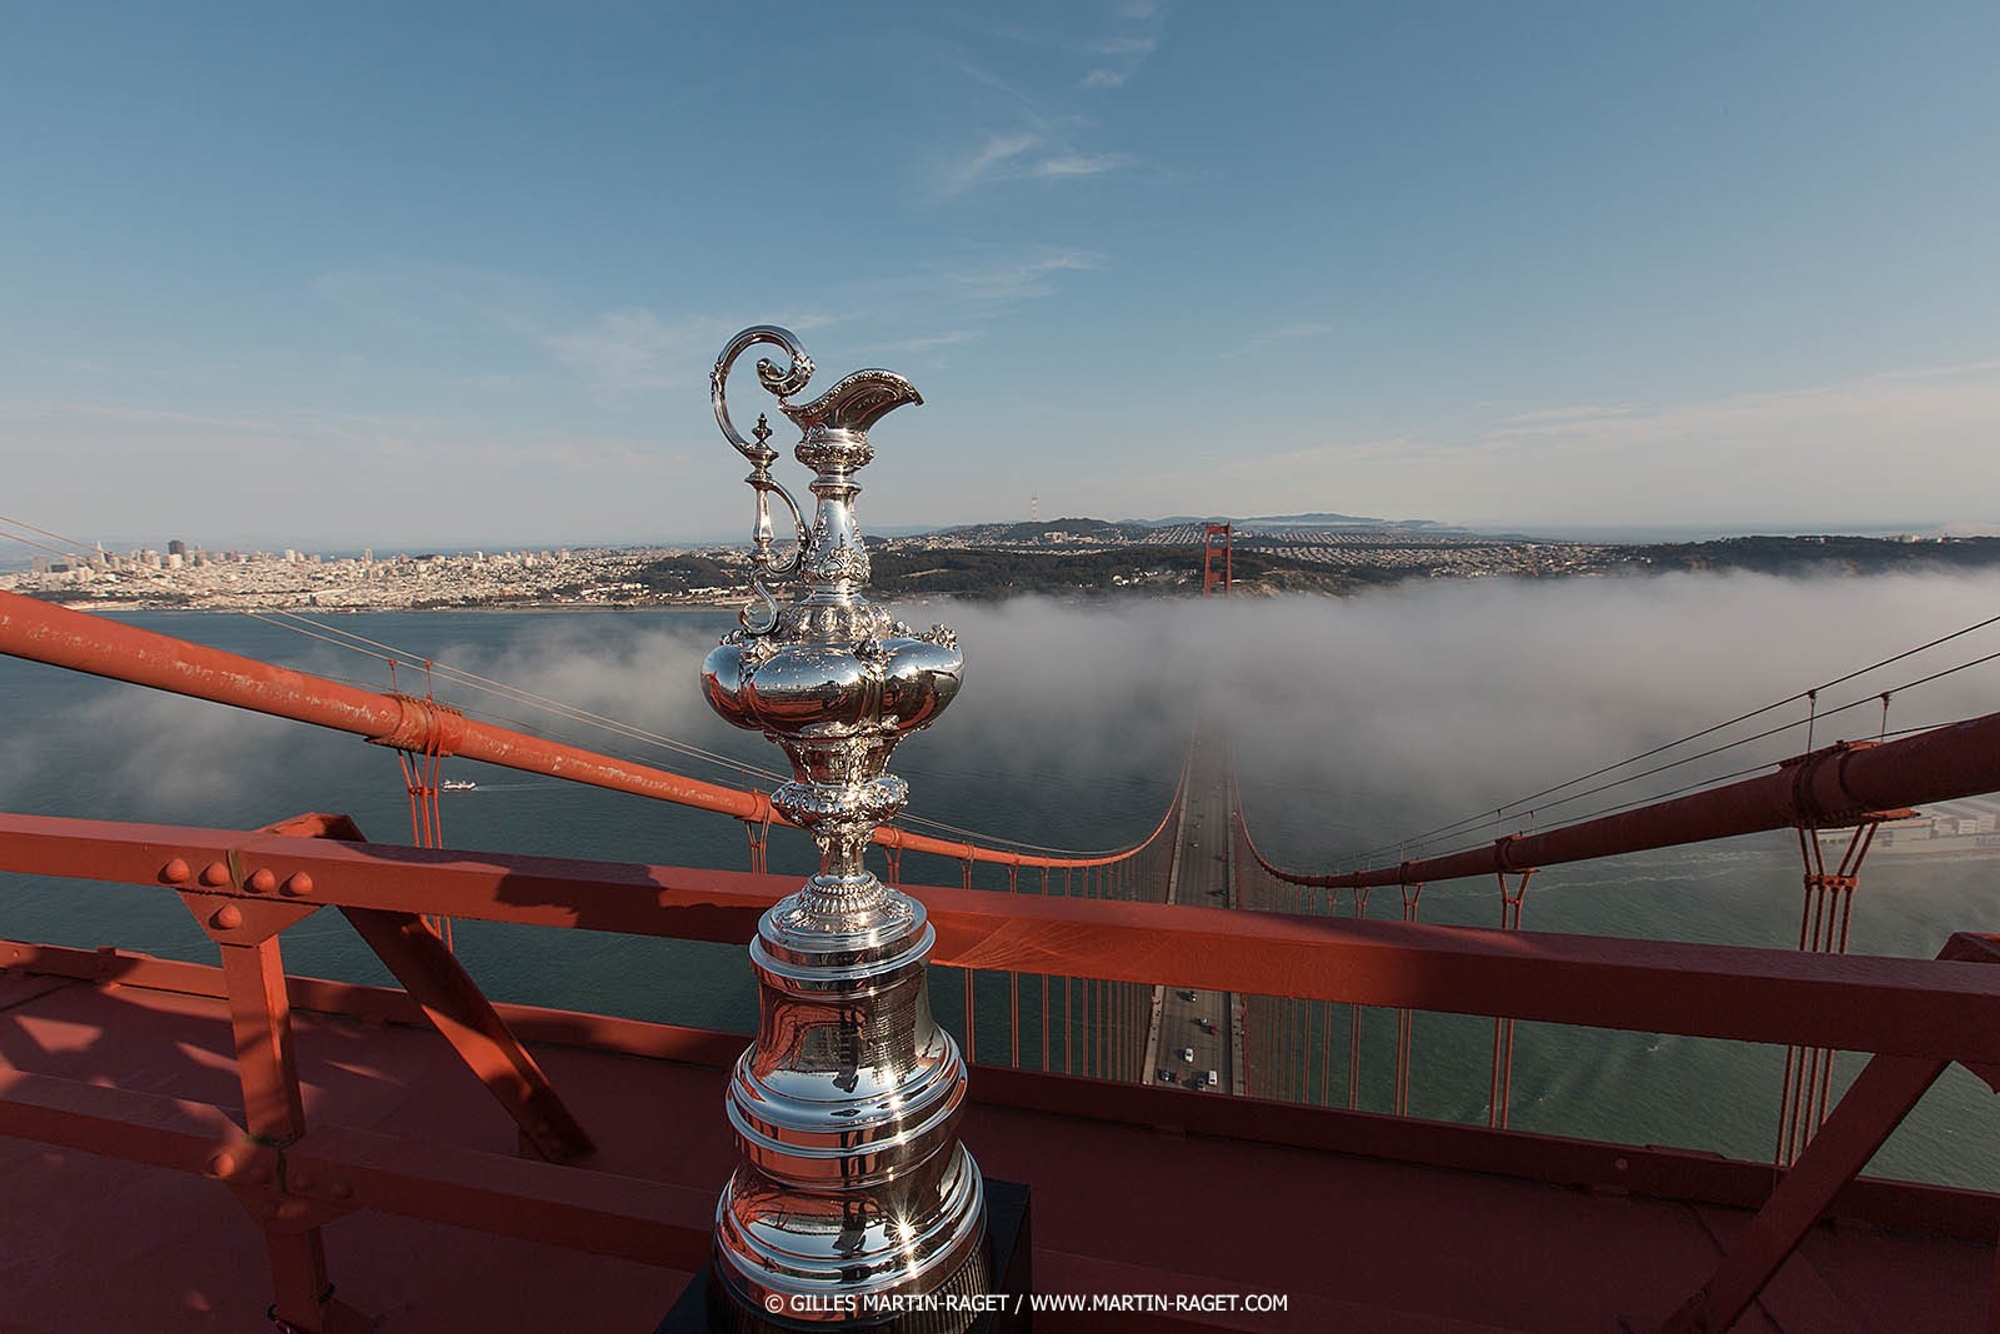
(1215, 565)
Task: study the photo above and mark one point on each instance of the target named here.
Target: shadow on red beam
(651, 1222)
(1911, 1007)
(531, 1023)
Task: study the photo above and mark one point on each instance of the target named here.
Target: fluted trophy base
(704, 1307)
(945, 1296)
(855, 1202)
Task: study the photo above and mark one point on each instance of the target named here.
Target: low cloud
(1357, 722)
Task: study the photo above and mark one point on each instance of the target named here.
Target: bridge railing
(247, 887)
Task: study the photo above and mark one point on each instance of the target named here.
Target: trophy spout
(855, 404)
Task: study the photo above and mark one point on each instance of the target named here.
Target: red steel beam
(41, 632)
(1913, 1007)
(459, 1010)
(1828, 788)
(390, 1005)
(1874, 1105)
(1880, 1097)
(1612, 1168)
(635, 1219)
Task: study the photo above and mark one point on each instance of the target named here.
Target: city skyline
(456, 279)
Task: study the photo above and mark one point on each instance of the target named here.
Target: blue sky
(405, 275)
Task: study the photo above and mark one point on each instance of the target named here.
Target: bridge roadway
(1196, 1037)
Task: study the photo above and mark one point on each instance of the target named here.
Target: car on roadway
(1187, 1054)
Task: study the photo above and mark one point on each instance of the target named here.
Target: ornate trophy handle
(766, 569)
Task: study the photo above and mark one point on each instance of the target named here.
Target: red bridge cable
(1833, 787)
(1707, 731)
(41, 632)
(1712, 780)
(488, 685)
(346, 639)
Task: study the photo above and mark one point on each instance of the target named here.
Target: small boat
(457, 785)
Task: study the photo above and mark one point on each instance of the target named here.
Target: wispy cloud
(33, 410)
(630, 349)
(1910, 401)
(1583, 412)
(636, 349)
(1023, 155)
(999, 157)
(1288, 333)
(1078, 164)
(1013, 278)
(1051, 140)
(640, 349)
(921, 343)
(1117, 59)
(419, 291)
(1906, 446)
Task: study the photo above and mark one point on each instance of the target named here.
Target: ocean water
(1069, 734)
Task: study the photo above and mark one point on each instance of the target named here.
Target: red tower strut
(1214, 545)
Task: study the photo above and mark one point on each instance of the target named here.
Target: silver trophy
(855, 1202)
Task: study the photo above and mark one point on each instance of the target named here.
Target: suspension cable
(1487, 813)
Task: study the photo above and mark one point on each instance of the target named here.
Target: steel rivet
(214, 874)
(291, 1209)
(298, 884)
(261, 881)
(222, 1164)
(228, 917)
(1618, 1163)
(176, 872)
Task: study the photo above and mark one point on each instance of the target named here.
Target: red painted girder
(41, 632)
(1873, 1106)
(137, 1128)
(1885, 1091)
(1915, 1007)
(651, 1222)
(459, 1010)
(1604, 1167)
(531, 1023)
(1825, 789)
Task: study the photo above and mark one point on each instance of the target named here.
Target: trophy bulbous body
(882, 688)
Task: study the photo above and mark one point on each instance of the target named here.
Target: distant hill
(1097, 530)
(1314, 520)
(1137, 530)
